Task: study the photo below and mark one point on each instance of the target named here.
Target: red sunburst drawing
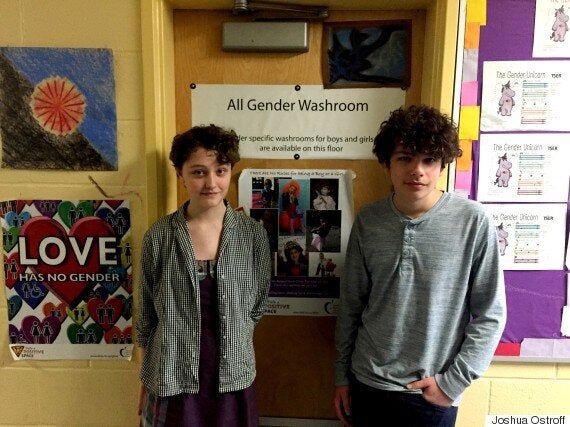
(58, 105)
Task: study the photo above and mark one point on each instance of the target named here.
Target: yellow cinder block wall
(96, 393)
(79, 393)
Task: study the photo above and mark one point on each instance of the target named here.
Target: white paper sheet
(524, 168)
(531, 236)
(525, 95)
(551, 38)
(311, 286)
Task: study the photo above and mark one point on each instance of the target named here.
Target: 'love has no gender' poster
(68, 277)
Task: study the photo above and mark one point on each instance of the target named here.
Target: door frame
(158, 75)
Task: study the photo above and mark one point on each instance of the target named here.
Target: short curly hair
(225, 142)
(420, 129)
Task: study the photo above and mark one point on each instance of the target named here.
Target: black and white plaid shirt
(168, 323)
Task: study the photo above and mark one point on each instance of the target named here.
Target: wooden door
(295, 354)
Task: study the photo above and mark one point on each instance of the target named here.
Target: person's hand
(342, 404)
(431, 391)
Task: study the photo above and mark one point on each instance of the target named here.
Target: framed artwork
(57, 109)
(367, 54)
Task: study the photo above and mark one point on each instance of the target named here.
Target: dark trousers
(371, 407)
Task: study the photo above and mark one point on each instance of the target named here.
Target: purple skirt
(208, 408)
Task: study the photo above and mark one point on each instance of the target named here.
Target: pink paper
(469, 93)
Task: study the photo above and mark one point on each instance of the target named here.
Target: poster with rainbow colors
(68, 278)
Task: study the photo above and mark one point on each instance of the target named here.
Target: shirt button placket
(407, 247)
(223, 327)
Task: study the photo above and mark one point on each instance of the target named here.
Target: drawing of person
(35, 330)
(121, 223)
(47, 333)
(13, 269)
(110, 313)
(26, 289)
(128, 252)
(101, 313)
(36, 292)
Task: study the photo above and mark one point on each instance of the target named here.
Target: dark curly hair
(289, 246)
(420, 129)
(225, 142)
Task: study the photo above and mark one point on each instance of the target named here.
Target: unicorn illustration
(502, 235)
(503, 173)
(507, 102)
(560, 26)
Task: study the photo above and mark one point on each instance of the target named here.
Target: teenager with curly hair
(422, 299)
(205, 277)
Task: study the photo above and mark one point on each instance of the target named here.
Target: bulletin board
(515, 60)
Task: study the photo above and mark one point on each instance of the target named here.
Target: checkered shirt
(168, 322)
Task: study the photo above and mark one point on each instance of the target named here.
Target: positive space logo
(17, 349)
(26, 352)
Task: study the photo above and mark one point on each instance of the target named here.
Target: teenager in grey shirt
(422, 303)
